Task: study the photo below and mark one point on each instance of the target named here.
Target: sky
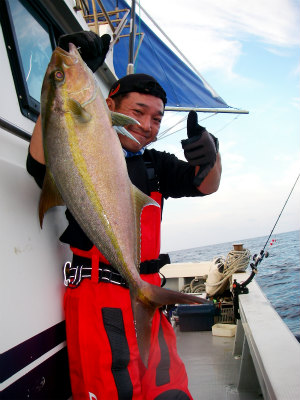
(248, 51)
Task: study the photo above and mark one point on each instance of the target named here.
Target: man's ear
(111, 104)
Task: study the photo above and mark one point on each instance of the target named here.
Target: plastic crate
(226, 315)
(196, 317)
(224, 330)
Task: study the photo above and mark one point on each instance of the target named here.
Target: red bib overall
(104, 359)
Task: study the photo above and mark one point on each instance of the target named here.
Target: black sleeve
(35, 169)
(175, 176)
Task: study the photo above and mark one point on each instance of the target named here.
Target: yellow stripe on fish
(80, 162)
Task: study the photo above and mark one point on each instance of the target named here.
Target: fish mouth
(66, 58)
(72, 50)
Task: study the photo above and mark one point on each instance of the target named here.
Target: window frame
(29, 106)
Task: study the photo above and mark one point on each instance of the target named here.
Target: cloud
(207, 31)
(272, 21)
(296, 71)
(260, 164)
(295, 102)
(245, 206)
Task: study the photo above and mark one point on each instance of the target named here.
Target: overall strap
(95, 256)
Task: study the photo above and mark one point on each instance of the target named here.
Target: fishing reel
(258, 259)
(241, 288)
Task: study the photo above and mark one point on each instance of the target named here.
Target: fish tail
(144, 304)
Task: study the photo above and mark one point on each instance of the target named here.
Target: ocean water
(278, 275)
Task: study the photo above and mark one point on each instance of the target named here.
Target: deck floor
(212, 369)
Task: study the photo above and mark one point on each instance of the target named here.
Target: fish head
(68, 73)
(68, 85)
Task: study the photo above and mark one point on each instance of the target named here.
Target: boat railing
(96, 15)
(14, 129)
(270, 354)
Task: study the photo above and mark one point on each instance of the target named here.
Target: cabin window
(30, 40)
(35, 54)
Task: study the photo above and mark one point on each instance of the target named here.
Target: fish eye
(59, 76)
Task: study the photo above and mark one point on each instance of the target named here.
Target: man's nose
(146, 125)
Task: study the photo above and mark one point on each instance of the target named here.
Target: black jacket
(152, 171)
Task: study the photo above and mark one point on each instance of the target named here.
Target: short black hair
(140, 83)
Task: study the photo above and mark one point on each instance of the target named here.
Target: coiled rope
(197, 285)
(236, 260)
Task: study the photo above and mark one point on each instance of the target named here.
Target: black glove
(91, 47)
(201, 147)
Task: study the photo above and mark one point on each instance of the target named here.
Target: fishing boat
(239, 348)
(260, 360)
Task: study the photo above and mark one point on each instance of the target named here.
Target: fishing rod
(281, 212)
(241, 288)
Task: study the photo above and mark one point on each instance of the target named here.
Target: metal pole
(130, 67)
(95, 17)
(106, 15)
(209, 110)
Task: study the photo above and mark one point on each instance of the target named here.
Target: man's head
(140, 96)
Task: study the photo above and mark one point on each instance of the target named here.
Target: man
(103, 354)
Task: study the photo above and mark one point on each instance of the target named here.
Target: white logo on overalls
(92, 396)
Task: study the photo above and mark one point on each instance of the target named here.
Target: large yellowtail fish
(86, 170)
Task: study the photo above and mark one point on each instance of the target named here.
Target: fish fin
(123, 131)
(78, 111)
(140, 200)
(119, 119)
(50, 196)
(145, 300)
(143, 317)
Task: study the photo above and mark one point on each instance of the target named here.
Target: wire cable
(164, 135)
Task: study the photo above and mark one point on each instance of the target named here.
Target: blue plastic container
(196, 317)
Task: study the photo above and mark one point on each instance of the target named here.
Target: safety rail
(117, 24)
(270, 354)
(14, 129)
(94, 18)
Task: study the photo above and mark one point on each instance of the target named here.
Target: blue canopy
(184, 88)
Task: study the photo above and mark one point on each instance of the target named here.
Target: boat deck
(212, 369)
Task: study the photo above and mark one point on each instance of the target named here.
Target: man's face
(147, 110)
